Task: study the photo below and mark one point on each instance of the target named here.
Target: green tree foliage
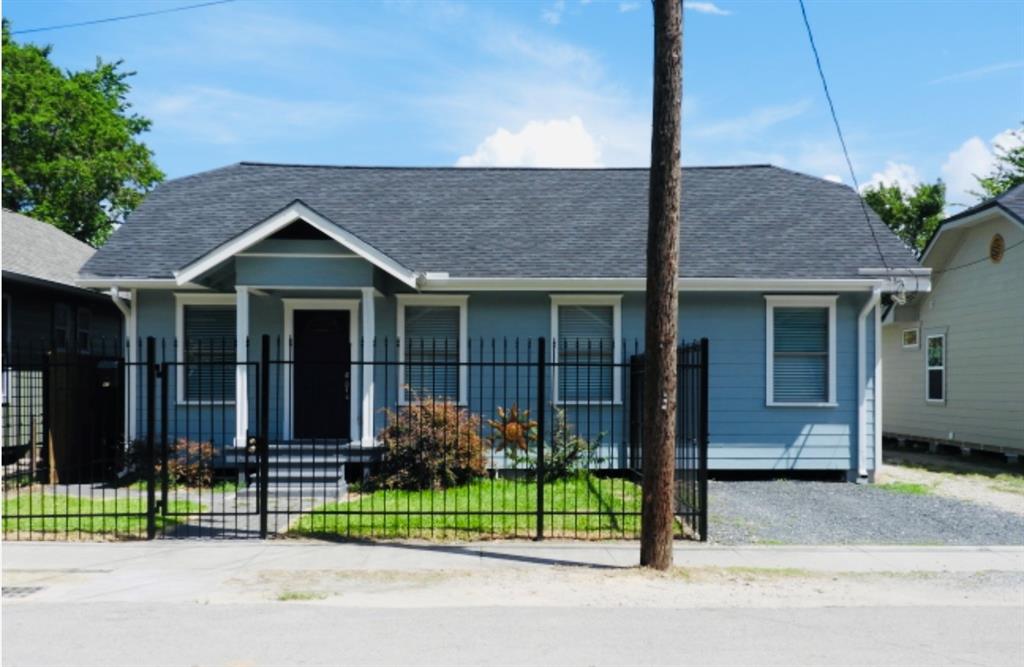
(1009, 169)
(71, 155)
(912, 215)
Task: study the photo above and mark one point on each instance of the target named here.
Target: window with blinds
(586, 353)
(209, 359)
(800, 355)
(431, 352)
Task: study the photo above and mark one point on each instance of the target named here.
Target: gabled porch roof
(294, 212)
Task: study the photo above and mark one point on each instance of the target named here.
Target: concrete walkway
(419, 556)
(280, 602)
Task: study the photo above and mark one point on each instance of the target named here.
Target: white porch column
(368, 334)
(241, 367)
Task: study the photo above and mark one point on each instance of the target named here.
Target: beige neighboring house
(953, 358)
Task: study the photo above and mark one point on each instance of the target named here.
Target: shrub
(431, 444)
(189, 463)
(567, 454)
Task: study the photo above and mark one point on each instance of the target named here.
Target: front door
(322, 374)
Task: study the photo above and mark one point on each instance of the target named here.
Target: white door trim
(290, 306)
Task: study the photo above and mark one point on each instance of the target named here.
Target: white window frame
(460, 300)
(350, 305)
(613, 300)
(927, 368)
(799, 301)
(180, 301)
(917, 338)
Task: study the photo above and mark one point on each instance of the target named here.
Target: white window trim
(613, 300)
(352, 306)
(460, 300)
(771, 303)
(180, 301)
(935, 401)
(917, 343)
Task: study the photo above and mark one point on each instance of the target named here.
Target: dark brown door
(322, 374)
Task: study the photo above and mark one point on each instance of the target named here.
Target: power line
(842, 141)
(121, 18)
(986, 258)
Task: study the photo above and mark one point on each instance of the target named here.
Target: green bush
(431, 444)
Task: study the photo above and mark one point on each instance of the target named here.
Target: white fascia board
(684, 284)
(294, 211)
(919, 271)
(979, 216)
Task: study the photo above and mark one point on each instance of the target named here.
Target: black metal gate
(691, 477)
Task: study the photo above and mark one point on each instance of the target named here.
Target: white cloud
(832, 177)
(980, 71)
(973, 158)
(224, 116)
(706, 8)
(553, 14)
(753, 122)
(552, 143)
(895, 173)
(628, 6)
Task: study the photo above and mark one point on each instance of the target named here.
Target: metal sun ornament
(513, 429)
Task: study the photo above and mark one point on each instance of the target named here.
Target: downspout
(125, 309)
(862, 414)
(128, 350)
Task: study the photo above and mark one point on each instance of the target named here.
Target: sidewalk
(296, 555)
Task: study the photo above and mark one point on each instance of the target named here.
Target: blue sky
(922, 89)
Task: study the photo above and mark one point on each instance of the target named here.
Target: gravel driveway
(805, 512)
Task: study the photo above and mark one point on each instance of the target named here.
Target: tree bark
(660, 330)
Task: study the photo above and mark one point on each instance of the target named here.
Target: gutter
(862, 415)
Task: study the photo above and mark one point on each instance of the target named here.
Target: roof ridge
(254, 163)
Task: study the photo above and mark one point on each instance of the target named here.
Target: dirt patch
(628, 587)
(994, 490)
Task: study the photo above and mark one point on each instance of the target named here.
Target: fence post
(263, 446)
(164, 470)
(150, 444)
(702, 482)
(542, 375)
(636, 394)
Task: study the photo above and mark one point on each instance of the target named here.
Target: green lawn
(584, 507)
(67, 515)
(908, 488)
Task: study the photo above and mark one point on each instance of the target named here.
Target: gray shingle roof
(753, 221)
(39, 250)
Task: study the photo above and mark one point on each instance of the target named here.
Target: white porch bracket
(241, 365)
(366, 372)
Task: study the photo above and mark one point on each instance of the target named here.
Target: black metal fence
(517, 439)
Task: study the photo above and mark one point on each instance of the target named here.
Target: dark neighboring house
(42, 308)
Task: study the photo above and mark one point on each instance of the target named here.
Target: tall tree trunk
(662, 296)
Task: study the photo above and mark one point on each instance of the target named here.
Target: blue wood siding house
(372, 266)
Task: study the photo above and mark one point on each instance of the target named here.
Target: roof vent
(996, 248)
